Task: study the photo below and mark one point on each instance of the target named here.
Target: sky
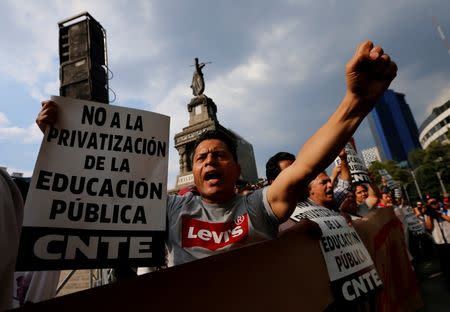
(277, 70)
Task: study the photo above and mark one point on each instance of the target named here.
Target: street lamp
(438, 173)
(415, 182)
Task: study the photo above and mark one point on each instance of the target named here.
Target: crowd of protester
(267, 205)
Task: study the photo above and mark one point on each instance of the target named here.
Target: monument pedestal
(203, 117)
(185, 180)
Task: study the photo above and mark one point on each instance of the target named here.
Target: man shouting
(218, 220)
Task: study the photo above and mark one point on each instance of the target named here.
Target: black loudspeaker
(82, 55)
(82, 79)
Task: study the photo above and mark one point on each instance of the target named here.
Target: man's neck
(218, 200)
(323, 204)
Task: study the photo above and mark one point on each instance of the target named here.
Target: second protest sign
(352, 273)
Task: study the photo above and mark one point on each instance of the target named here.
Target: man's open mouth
(212, 176)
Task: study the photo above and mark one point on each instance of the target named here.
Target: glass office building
(393, 127)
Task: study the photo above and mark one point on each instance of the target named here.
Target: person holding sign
(366, 198)
(340, 180)
(326, 191)
(348, 261)
(219, 219)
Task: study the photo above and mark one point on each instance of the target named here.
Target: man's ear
(309, 188)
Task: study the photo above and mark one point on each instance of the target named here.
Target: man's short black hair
(218, 135)
(272, 166)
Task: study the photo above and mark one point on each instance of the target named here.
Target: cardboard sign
(383, 235)
(351, 270)
(411, 221)
(358, 169)
(356, 165)
(98, 193)
(289, 261)
(389, 180)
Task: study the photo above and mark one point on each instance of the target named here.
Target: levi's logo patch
(212, 236)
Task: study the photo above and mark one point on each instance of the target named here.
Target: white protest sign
(389, 180)
(98, 192)
(412, 222)
(350, 267)
(356, 165)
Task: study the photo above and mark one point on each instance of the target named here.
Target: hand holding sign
(48, 114)
(98, 192)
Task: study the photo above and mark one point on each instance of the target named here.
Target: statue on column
(198, 83)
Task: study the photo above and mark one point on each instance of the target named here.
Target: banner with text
(383, 235)
(99, 188)
(351, 270)
(411, 221)
(358, 169)
(392, 185)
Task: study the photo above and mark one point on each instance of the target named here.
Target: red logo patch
(212, 236)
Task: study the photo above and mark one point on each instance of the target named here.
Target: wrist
(362, 104)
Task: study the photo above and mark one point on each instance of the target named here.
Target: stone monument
(203, 117)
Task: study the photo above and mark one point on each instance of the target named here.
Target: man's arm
(335, 173)
(428, 223)
(368, 75)
(374, 195)
(344, 181)
(417, 211)
(445, 217)
(345, 170)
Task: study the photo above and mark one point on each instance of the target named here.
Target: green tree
(399, 174)
(427, 162)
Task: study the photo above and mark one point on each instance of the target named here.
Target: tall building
(436, 126)
(370, 155)
(393, 127)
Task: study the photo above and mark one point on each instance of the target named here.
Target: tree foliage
(427, 162)
(399, 174)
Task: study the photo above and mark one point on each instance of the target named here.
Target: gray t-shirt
(363, 209)
(197, 229)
